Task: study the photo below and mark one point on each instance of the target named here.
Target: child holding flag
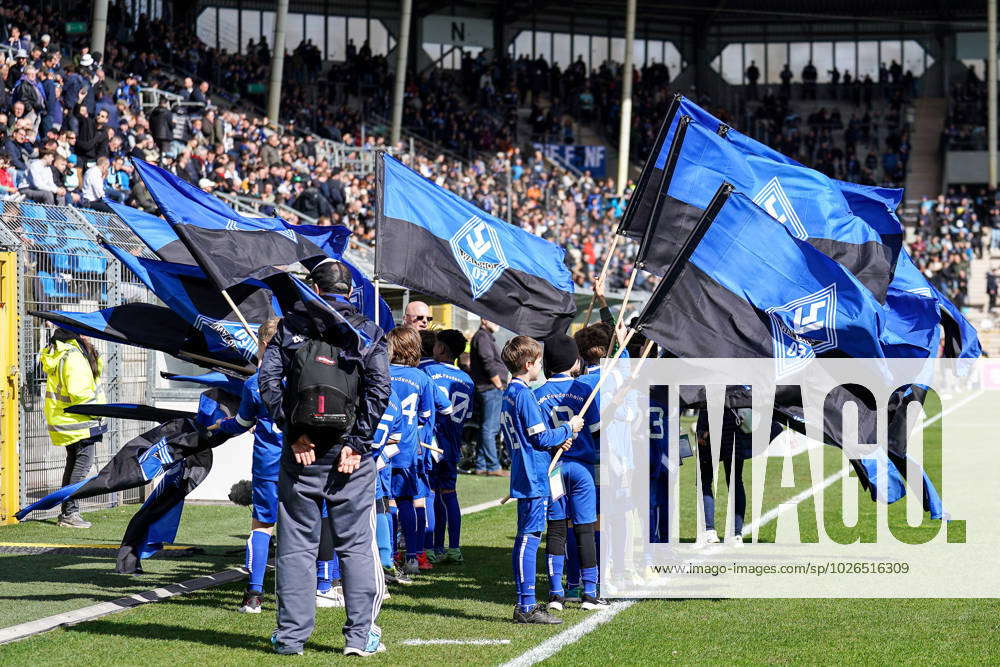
(530, 444)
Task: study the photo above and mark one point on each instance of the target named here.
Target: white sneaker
(331, 598)
(362, 653)
(735, 540)
(709, 537)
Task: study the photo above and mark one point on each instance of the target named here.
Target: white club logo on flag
(922, 291)
(476, 247)
(233, 334)
(235, 226)
(772, 198)
(803, 328)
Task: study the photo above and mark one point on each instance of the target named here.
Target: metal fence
(61, 266)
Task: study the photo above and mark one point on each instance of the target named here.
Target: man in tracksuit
(342, 473)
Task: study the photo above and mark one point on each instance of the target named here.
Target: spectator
(93, 184)
(490, 375)
(42, 186)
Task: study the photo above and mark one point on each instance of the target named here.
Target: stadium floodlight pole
(625, 129)
(98, 27)
(402, 47)
(991, 89)
(277, 63)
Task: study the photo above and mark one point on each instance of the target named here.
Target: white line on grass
(554, 644)
(481, 506)
(455, 642)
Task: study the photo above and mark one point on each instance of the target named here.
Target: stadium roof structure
(666, 18)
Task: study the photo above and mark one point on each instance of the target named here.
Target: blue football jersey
(388, 431)
(529, 441)
(267, 441)
(457, 388)
(416, 405)
(561, 397)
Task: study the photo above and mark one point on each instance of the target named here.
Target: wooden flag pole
(593, 394)
(377, 302)
(645, 353)
(621, 312)
(600, 278)
(243, 320)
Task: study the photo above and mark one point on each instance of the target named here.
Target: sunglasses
(423, 318)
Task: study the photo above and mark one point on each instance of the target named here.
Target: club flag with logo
(160, 237)
(186, 291)
(639, 211)
(433, 241)
(805, 201)
(749, 288)
(140, 460)
(230, 248)
(877, 207)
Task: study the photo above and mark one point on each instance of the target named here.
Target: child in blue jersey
(561, 397)
(415, 390)
(456, 385)
(266, 462)
(385, 445)
(530, 445)
(442, 411)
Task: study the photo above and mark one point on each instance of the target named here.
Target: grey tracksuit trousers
(351, 508)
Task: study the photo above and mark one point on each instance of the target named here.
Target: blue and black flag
(230, 248)
(743, 286)
(147, 456)
(877, 207)
(804, 200)
(186, 291)
(160, 237)
(433, 241)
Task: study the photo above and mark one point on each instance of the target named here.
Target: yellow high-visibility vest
(69, 381)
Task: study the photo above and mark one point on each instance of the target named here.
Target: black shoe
(251, 603)
(590, 603)
(535, 615)
(556, 602)
(393, 575)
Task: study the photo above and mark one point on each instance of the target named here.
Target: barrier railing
(59, 265)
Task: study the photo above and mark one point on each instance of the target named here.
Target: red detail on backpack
(321, 404)
(326, 360)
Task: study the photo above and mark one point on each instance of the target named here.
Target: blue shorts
(265, 500)
(444, 475)
(383, 483)
(579, 503)
(408, 483)
(531, 515)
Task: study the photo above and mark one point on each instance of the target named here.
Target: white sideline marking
(554, 644)
(481, 506)
(455, 642)
(89, 613)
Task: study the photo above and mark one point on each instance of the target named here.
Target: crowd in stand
(81, 128)
(965, 125)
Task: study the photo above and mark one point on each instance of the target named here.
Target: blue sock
(556, 573)
(421, 529)
(590, 581)
(257, 545)
(454, 513)
(393, 528)
(408, 522)
(324, 581)
(525, 555)
(383, 536)
(515, 564)
(335, 568)
(441, 520)
(572, 561)
(431, 521)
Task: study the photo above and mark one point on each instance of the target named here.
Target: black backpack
(325, 388)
